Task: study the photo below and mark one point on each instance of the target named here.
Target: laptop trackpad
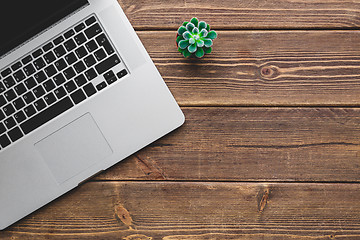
(74, 148)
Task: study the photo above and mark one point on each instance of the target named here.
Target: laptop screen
(20, 20)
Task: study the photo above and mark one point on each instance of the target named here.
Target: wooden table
(271, 145)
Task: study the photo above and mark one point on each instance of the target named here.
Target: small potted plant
(194, 38)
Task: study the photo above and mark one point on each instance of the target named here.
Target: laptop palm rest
(74, 148)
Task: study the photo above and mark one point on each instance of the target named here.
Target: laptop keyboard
(54, 78)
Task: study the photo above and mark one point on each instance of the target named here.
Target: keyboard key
(79, 27)
(39, 91)
(90, 21)
(19, 76)
(29, 69)
(101, 86)
(40, 77)
(15, 134)
(50, 71)
(70, 45)
(29, 110)
(19, 116)
(8, 110)
(90, 74)
(26, 59)
(46, 115)
(70, 58)
(90, 60)
(70, 86)
(81, 52)
(2, 87)
(2, 128)
(60, 92)
(19, 103)
(49, 85)
(79, 67)
(50, 98)
(59, 79)
(9, 81)
(10, 95)
(49, 57)
(122, 73)
(37, 53)
(6, 72)
(93, 31)
(2, 115)
(30, 83)
(58, 40)
(103, 41)
(16, 66)
(107, 64)
(89, 89)
(109, 74)
(2, 100)
(80, 80)
(100, 54)
(69, 33)
(78, 96)
(20, 89)
(60, 64)
(69, 73)
(39, 63)
(80, 38)
(40, 104)
(48, 46)
(4, 141)
(29, 97)
(59, 51)
(10, 122)
(91, 46)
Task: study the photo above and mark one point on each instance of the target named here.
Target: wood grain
(262, 68)
(245, 14)
(169, 211)
(252, 144)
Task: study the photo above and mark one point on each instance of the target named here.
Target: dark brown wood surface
(271, 146)
(187, 210)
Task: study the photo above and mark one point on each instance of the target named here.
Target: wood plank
(252, 144)
(263, 68)
(245, 14)
(170, 210)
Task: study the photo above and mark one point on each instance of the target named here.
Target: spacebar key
(46, 115)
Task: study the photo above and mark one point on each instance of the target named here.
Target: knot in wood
(269, 72)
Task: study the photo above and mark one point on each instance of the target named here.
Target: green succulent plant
(195, 38)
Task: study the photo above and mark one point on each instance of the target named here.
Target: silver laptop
(78, 93)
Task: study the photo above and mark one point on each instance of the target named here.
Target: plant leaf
(180, 50)
(191, 41)
(185, 23)
(195, 30)
(178, 39)
(186, 35)
(184, 44)
(208, 27)
(208, 50)
(200, 43)
(199, 53)
(192, 48)
(203, 32)
(181, 30)
(212, 35)
(190, 26)
(202, 25)
(186, 53)
(195, 21)
(208, 42)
